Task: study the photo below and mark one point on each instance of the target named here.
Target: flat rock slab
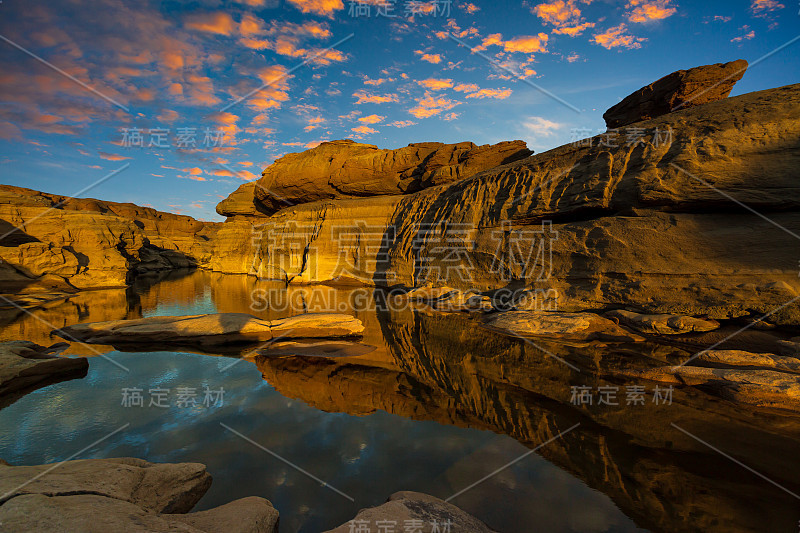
(743, 359)
(662, 324)
(416, 511)
(25, 366)
(123, 494)
(681, 89)
(214, 329)
(568, 326)
(759, 387)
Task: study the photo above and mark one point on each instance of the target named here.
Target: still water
(434, 406)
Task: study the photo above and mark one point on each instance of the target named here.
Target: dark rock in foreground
(426, 513)
(123, 494)
(25, 366)
(681, 89)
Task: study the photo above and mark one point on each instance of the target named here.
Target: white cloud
(541, 126)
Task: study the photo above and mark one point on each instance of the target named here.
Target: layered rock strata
(70, 243)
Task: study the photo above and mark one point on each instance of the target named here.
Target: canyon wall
(656, 224)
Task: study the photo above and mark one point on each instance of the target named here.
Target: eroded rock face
(681, 89)
(87, 243)
(124, 494)
(347, 169)
(219, 328)
(632, 224)
(430, 514)
(25, 366)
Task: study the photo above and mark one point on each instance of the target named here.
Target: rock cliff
(347, 169)
(47, 239)
(657, 225)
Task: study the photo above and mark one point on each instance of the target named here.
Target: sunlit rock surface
(681, 89)
(347, 169)
(86, 243)
(218, 328)
(645, 225)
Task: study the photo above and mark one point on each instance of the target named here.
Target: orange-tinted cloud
(470, 8)
(196, 171)
(371, 119)
(564, 15)
(318, 7)
(528, 44)
(647, 10)
(746, 36)
(364, 130)
(429, 106)
(466, 87)
(401, 123)
(218, 22)
(430, 58)
(762, 8)
(618, 37)
(367, 98)
(168, 115)
(112, 157)
(436, 84)
(500, 94)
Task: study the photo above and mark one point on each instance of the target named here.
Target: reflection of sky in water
(366, 457)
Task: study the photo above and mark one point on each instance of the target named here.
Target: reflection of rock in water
(25, 367)
(448, 370)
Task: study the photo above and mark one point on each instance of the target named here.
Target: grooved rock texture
(123, 494)
(648, 226)
(347, 169)
(86, 243)
(681, 89)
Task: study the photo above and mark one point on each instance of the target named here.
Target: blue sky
(161, 86)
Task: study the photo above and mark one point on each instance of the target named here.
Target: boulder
(681, 89)
(122, 494)
(241, 203)
(347, 169)
(213, 329)
(25, 366)
(567, 326)
(424, 513)
(662, 324)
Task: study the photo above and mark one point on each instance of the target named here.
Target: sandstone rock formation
(25, 366)
(567, 326)
(219, 328)
(427, 512)
(662, 324)
(69, 243)
(645, 225)
(346, 169)
(124, 494)
(680, 90)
